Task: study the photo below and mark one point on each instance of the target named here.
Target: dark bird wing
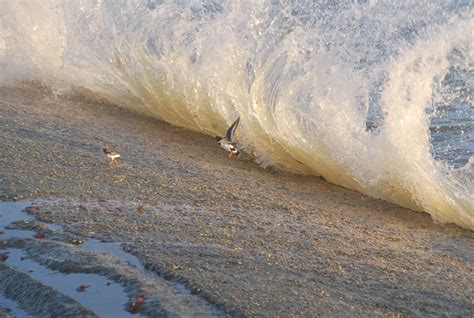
(229, 135)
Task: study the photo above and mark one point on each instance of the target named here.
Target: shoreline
(250, 241)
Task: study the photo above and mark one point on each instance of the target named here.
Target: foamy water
(376, 97)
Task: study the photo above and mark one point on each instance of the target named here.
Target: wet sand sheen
(96, 278)
(250, 241)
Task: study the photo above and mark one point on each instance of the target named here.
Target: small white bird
(110, 153)
(227, 142)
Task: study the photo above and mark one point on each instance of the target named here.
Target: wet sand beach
(243, 240)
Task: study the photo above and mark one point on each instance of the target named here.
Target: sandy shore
(246, 241)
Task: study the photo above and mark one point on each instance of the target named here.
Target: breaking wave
(374, 97)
